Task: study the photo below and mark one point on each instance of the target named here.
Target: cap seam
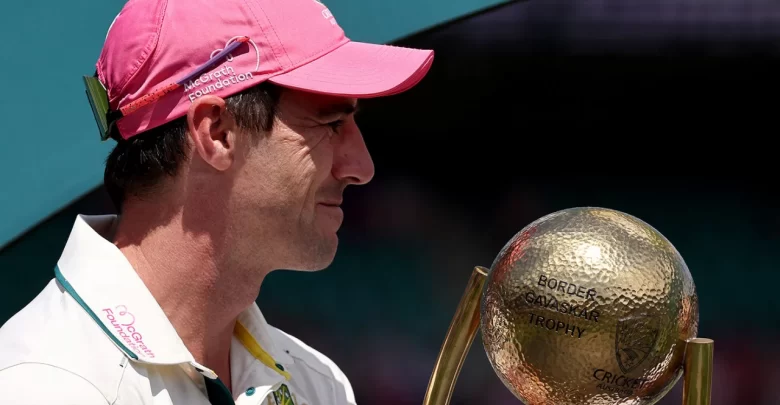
(278, 40)
(147, 52)
(262, 29)
(314, 56)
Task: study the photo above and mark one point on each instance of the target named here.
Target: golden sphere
(588, 306)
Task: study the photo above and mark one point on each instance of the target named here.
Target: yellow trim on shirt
(251, 345)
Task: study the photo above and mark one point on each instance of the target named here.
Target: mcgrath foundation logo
(124, 325)
(211, 81)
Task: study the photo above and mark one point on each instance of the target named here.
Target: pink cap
(160, 55)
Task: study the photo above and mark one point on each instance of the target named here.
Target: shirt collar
(99, 277)
(254, 321)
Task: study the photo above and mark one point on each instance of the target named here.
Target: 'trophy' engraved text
(556, 326)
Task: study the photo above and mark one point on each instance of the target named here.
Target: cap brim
(360, 70)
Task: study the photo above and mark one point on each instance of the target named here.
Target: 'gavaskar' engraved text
(563, 307)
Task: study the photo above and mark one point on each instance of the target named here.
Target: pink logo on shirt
(123, 322)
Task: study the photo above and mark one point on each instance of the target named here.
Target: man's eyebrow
(344, 108)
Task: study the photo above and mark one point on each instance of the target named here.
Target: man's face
(288, 193)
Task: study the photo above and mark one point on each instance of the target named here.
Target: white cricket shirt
(96, 336)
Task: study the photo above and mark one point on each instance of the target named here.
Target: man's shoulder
(317, 361)
(53, 336)
(37, 383)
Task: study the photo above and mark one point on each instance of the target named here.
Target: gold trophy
(585, 306)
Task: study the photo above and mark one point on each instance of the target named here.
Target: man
(236, 138)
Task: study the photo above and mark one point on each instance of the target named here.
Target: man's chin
(319, 256)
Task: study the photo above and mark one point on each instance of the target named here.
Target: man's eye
(335, 125)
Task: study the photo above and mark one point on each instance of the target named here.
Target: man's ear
(212, 130)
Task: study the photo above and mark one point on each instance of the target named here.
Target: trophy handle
(697, 377)
(457, 342)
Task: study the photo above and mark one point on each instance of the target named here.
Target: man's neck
(201, 291)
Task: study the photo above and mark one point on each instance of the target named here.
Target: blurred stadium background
(530, 107)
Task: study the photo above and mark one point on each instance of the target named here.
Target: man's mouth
(331, 203)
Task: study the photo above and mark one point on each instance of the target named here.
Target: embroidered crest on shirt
(282, 396)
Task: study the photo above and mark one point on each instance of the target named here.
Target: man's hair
(138, 165)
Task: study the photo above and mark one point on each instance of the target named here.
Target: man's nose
(352, 161)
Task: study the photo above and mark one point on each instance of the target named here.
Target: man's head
(239, 116)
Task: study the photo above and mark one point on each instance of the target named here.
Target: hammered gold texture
(588, 306)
